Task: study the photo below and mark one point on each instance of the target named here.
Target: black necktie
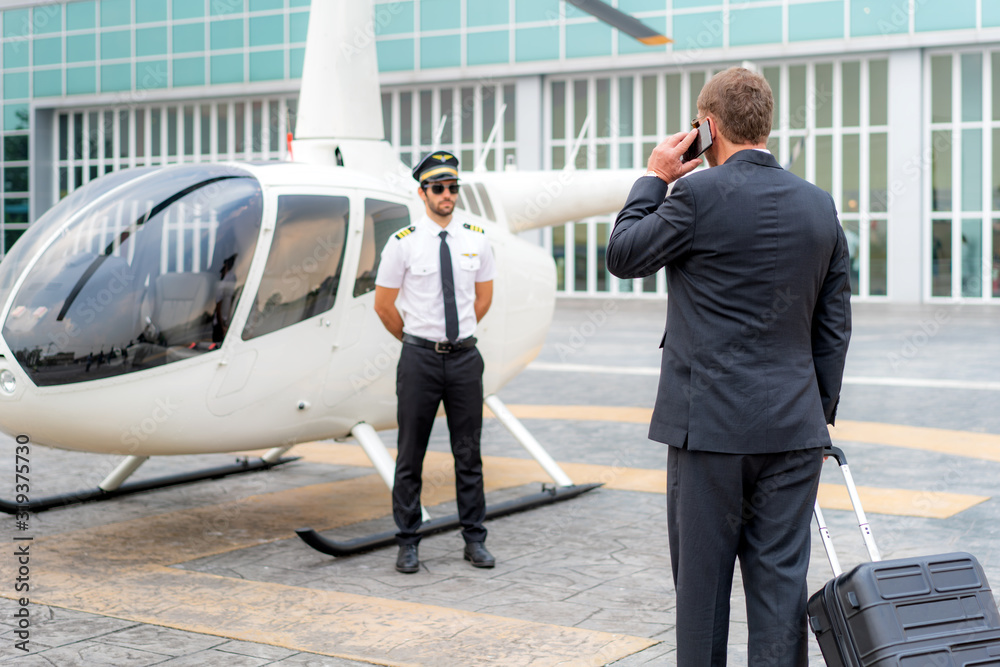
(448, 287)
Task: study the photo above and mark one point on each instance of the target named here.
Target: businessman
(758, 323)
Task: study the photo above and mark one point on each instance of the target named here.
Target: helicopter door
(382, 220)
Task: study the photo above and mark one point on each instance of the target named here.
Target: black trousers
(424, 378)
(756, 508)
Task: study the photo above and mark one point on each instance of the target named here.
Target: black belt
(441, 348)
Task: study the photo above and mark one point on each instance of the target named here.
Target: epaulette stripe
(405, 232)
(473, 228)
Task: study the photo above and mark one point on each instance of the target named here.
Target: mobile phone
(700, 143)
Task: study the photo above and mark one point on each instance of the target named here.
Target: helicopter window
(144, 278)
(485, 199)
(470, 197)
(303, 267)
(382, 220)
(460, 201)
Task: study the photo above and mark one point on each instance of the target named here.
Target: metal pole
(121, 472)
(527, 440)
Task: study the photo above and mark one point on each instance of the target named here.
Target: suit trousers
(425, 378)
(756, 508)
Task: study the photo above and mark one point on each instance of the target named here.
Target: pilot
(434, 284)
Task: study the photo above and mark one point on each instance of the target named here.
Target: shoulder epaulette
(473, 228)
(404, 232)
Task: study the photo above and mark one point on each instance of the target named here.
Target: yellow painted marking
(122, 570)
(597, 413)
(984, 446)
(901, 502)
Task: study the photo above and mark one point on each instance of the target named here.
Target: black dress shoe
(476, 553)
(407, 561)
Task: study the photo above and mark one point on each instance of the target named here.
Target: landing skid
(102, 492)
(350, 547)
(384, 465)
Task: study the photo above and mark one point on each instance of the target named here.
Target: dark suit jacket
(758, 304)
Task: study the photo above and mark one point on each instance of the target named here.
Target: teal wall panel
(267, 30)
(756, 25)
(226, 7)
(264, 5)
(821, 20)
(698, 31)
(991, 14)
(81, 80)
(487, 48)
(189, 37)
(628, 44)
(298, 27)
(188, 9)
(588, 39)
(633, 6)
(81, 48)
(15, 53)
(226, 34)
(16, 23)
(296, 57)
(81, 15)
(267, 65)
(878, 18)
(395, 55)
(189, 71)
(536, 44)
(438, 52)
(115, 78)
(15, 86)
(47, 51)
(152, 74)
(148, 11)
(689, 4)
(151, 41)
(15, 117)
(47, 82)
(116, 12)
(526, 11)
(47, 19)
(440, 15)
(945, 14)
(116, 44)
(226, 69)
(486, 12)
(394, 19)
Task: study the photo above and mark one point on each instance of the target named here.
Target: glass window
(995, 274)
(48, 51)
(80, 15)
(941, 89)
(972, 86)
(116, 44)
(824, 162)
(995, 73)
(972, 170)
(850, 83)
(227, 34)
(580, 256)
(15, 179)
(972, 258)
(649, 105)
(116, 77)
(406, 118)
(298, 28)
(81, 48)
(387, 116)
(267, 65)
(558, 109)
(941, 258)
(510, 116)
(484, 198)
(189, 71)
(267, 30)
(853, 234)
(797, 96)
(150, 41)
(798, 156)
(304, 264)
(146, 278)
(15, 211)
(188, 9)
(148, 11)
(559, 254)
(15, 53)
(675, 119)
(878, 92)
(15, 148)
(189, 37)
(824, 95)
(603, 275)
(116, 12)
(427, 120)
(878, 247)
(625, 108)
(227, 7)
(580, 108)
(697, 83)
(850, 200)
(773, 76)
(941, 171)
(227, 69)
(995, 195)
(382, 220)
(604, 107)
(878, 176)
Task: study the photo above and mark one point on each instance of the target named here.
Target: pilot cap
(436, 166)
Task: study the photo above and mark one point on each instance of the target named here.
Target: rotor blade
(618, 19)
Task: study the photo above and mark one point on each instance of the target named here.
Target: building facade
(893, 106)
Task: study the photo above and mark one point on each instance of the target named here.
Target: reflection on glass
(447, 98)
(406, 118)
(878, 249)
(558, 110)
(941, 89)
(558, 157)
(136, 281)
(878, 92)
(484, 199)
(850, 87)
(797, 96)
(509, 124)
(851, 173)
(604, 107)
(878, 172)
(382, 220)
(941, 258)
(387, 116)
(675, 120)
(580, 256)
(625, 156)
(995, 273)
(467, 114)
(972, 170)
(852, 232)
(798, 156)
(649, 105)
(941, 171)
(824, 95)
(972, 86)
(559, 254)
(303, 265)
(972, 258)
(625, 107)
(824, 162)
(995, 184)
(426, 118)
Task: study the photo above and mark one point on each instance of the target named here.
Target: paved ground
(211, 574)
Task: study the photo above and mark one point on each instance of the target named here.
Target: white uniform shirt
(411, 263)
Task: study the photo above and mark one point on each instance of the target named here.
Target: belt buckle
(442, 348)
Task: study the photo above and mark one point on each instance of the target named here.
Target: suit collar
(755, 156)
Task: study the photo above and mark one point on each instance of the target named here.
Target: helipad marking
(502, 472)
(122, 570)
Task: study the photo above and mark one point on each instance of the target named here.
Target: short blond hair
(742, 103)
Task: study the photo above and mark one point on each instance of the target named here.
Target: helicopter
(206, 308)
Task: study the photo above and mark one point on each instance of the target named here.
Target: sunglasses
(437, 188)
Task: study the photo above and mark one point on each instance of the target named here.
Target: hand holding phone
(701, 142)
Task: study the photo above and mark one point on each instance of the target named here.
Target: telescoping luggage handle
(852, 491)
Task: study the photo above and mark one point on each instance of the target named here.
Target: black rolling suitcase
(929, 611)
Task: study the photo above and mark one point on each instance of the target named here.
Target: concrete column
(909, 157)
(41, 152)
(530, 131)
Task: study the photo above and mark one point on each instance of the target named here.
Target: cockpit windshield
(147, 277)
